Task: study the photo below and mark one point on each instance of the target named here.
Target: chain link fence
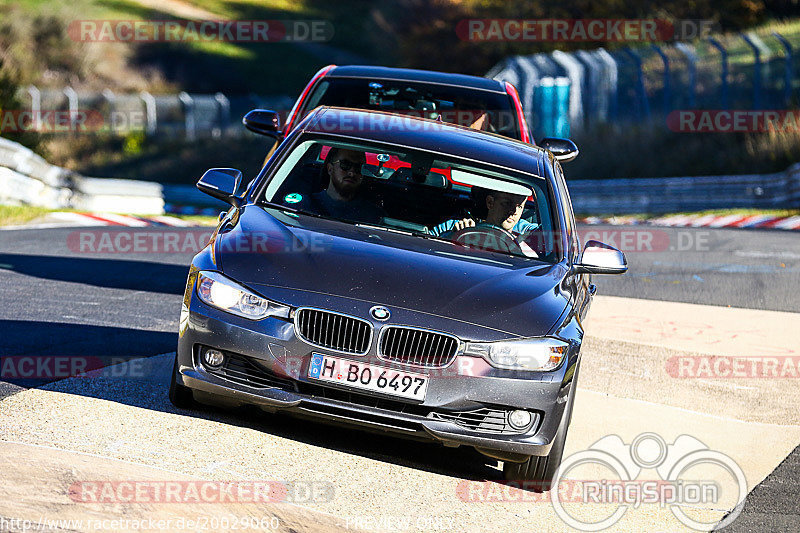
(174, 116)
(748, 71)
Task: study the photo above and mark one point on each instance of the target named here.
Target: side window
(566, 203)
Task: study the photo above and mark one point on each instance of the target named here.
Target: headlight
(223, 293)
(542, 353)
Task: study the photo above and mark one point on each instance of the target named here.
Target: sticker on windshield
(293, 198)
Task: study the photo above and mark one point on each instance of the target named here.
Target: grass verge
(11, 215)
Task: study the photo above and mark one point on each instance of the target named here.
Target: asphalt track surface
(56, 301)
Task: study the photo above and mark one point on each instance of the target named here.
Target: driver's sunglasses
(348, 166)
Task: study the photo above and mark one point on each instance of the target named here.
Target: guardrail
(27, 178)
(671, 195)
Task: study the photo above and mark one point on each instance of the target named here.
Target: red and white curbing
(704, 221)
(71, 219)
(66, 219)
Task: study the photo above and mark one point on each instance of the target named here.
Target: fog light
(519, 419)
(213, 358)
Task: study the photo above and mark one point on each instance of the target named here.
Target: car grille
(417, 347)
(334, 331)
(484, 420)
(244, 371)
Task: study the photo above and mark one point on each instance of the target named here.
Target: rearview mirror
(222, 183)
(599, 258)
(563, 149)
(263, 122)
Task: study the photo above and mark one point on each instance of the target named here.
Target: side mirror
(263, 122)
(599, 258)
(222, 183)
(563, 149)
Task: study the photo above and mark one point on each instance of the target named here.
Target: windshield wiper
(405, 232)
(281, 207)
(431, 236)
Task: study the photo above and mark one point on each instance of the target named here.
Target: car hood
(515, 295)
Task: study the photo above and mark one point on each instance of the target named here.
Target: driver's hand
(464, 223)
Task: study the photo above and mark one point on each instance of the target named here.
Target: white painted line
(754, 220)
(123, 220)
(77, 219)
(703, 221)
(725, 385)
(172, 221)
(34, 226)
(725, 221)
(789, 223)
(679, 220)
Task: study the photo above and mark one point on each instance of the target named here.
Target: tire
(542, 469)
(179, 395)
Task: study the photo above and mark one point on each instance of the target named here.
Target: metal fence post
(109, 97)
(188, 114)
(224, 111)
(691, 60)
(592, 91)
(723, 53)
(611, 78)
(150, 112)
(36, 106)
(666, 96)
(575, 73)
(788, 76)
(72, 103)
(756, 71)
(640, 88)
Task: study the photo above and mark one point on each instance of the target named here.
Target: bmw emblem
(380, 313)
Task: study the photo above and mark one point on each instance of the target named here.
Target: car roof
(423, 76)
(425, 134)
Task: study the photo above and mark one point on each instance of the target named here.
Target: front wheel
(179, 395)
(542, 469)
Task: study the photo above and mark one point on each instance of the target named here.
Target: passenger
(343, 197)
(503, 210)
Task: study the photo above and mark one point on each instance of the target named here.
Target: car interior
(483, 110)
(417, 192)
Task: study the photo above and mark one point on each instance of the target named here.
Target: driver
(503, 210)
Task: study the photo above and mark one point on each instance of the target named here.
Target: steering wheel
(487, 237)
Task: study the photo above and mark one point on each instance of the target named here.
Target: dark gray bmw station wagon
(401, 275)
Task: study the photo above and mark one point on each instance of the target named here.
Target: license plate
(364, 376)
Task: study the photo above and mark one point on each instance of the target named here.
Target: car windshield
(424, 194)
(475, 108)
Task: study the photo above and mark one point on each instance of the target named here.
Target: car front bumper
(466, 385)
